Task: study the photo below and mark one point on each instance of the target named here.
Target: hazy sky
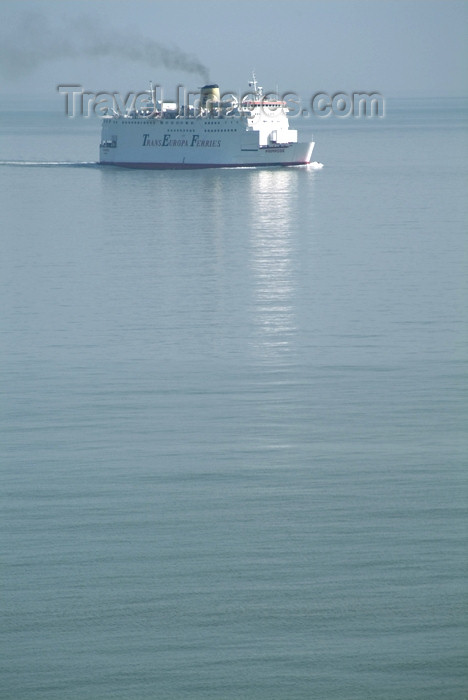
(396, 47)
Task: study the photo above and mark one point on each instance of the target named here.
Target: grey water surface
(233, 415)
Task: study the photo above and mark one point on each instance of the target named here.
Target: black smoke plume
(35, 41)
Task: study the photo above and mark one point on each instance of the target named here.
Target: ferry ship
(216, 134)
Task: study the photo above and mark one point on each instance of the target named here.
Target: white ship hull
(216, 135)
(193, 143)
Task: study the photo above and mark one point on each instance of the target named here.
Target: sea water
(233, 413)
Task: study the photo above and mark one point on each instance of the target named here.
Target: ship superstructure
(216, 133)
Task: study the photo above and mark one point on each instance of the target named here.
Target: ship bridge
(268, 117)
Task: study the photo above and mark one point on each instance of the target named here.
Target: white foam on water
(95, 164)
(50, 163)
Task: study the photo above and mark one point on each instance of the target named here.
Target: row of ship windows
(163, 121)
(153, 122)
(146, 121)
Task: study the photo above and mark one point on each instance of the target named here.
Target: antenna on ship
(153, 96)
(257, 88)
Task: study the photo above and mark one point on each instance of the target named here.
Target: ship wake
(90, 164)
(51, 163)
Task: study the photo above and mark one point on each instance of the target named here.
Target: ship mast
(258, 90)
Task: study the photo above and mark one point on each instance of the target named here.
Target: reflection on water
(196, 241)
(273, 196)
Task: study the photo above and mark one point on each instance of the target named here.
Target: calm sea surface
(233, 414)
